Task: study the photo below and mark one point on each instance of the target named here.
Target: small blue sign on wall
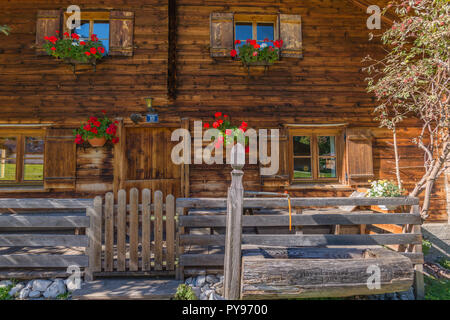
(152, 118)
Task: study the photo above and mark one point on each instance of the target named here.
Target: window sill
(320, 186)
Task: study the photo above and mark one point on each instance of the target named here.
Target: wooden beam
(354, 218)
(296, 202)
(46, 240)
(44, 221)
(388, 18)
(42, 261)
(305, 240)
(42, 203)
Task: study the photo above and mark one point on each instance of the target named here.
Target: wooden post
(233, 238)
(95, 238)
(3, 163)
(179, 248)
(419, 286)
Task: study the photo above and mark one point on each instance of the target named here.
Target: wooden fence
(137, 238)
(411, 239)
(21, 227)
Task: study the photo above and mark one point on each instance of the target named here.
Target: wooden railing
(411, 239)
(21, 229)
(139, 236)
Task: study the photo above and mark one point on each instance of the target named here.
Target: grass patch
(437, 289)
(4, 295)
(444, 262)
(185, 292)
(63, 296)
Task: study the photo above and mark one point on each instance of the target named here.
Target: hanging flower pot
(97, 131)
(97, 142)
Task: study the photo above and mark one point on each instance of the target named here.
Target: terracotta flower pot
(97, 142)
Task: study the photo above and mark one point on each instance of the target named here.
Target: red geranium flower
(233, 53)
(225, 116)
(53, 48)
(218, 114)
(206, 125)
(104, 111)
(97, 123)
(228, 132)
(237, 42)
(244, 124)
(57, 31)
(220, 121)
(94, 38)
(115, 140)
(87, 127)
(101, 50)
(92, 119)
(75, 36)
(93, 50)
(94, 130)
(247, 149)
(218, 144)
(46, 38)
(216, 124)
(66, 34)
(82, 43)
(253, 42)
(87, 53)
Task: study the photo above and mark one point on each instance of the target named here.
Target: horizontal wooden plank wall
(326, 85)
(139, 237)
(47, 90)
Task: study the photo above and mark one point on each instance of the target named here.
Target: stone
(29, 284)
(5, 283)
(72, 284)
(200, 282)
(197, 291)
(189, 281)
(208, 293)
(24, 293)
(211, 279)
(16, 289)
(203, 296)
(55, 289)
(34, 294)
(205, 288)
(41, 285)
(217, 297)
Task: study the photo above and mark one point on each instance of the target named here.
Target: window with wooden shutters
(315, 154)
(60, 159)
(121, 32)
(21, 157)
(359, 155)
(291, 34)
(221, 34)
(48, 22)
(114, 29)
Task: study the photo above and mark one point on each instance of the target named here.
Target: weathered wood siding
(326, 86)
(40, 89)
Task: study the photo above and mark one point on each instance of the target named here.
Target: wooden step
(127, 289)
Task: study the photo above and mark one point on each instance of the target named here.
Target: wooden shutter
(60, 159)
(291, 34)
(221, 33)
(359, 155)
(48, 22)
(121, 25)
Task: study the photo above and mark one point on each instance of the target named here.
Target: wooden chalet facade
(177, 53)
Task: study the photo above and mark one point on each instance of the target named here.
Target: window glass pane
(33, 159)
(244, 31)
(83, 30)
(264, 31)
(102, 32)
(326, 146)
(327, 167)
(33, 169)
(8, 147)
(302, 168)
(302, 146)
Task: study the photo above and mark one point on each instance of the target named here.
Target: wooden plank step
(125, 289)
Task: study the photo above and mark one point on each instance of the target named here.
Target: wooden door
(148, 161)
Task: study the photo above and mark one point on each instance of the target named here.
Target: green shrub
(426, 246)
(185, 292)
(445, 263)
